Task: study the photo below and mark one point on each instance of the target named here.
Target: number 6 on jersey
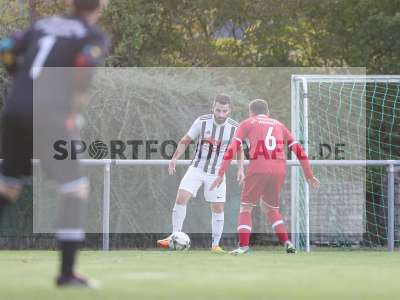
(270, 140)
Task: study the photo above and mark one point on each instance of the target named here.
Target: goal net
(347, 124)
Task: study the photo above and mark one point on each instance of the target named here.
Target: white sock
(178, 217)
(217, 224)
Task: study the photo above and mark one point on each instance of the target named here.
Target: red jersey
(267, 138)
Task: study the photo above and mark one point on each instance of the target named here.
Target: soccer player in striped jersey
(213, 133)
(68, 41)
(266, 172)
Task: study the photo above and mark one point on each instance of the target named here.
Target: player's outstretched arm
(233, 148)
(217, 182)
(302, 156)
(182, 145)
(92, 55)
(240, 173)
(314, 182)
(305, 164)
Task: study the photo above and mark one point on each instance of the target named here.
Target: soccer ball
(179, 241)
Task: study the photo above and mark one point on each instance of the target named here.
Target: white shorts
(193, 180)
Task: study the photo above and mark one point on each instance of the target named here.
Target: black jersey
(49, 64)
(57, 41)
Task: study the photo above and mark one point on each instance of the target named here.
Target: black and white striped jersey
(212, 141)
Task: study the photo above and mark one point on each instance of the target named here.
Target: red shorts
(263, 186)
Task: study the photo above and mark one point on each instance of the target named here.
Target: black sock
(4, 202)
(68, 253)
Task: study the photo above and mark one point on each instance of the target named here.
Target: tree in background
(240, 32)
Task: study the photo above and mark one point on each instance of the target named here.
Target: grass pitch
(263, 274)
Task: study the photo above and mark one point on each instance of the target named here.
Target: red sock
(275, 219)
(244, 229)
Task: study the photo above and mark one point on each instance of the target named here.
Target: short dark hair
(86, 5)
(222, 99)
(259, 107)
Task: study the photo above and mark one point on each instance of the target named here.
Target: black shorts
(20, 143)
(17, 149)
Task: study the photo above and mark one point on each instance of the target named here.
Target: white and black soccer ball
(179, 241)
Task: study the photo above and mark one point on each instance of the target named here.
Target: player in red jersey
(266, 172)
